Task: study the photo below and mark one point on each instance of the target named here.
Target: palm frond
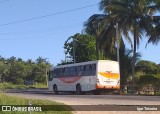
(89, 24)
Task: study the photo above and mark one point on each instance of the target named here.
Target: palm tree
(94, 26)
(133, 16)
(29, 61)
(154, 36)
(41, 60)
(126, 62)
(106, 37)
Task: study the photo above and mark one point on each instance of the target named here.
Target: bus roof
(82, 63)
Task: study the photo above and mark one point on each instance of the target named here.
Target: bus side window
(79, 70)
(60, 72)
(93, 72)
(66, 71)
(50, 75)
(75, 71)
(54, 73)
(87, 70)
(72, 71)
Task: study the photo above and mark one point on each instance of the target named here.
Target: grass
(38, 85)
(158, 93)
(13, 86)
(10, 100)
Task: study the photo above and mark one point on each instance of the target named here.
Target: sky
(45, 36)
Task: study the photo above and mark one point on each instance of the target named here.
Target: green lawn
(13, 86)
(10, 100)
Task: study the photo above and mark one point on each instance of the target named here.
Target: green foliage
(149, 83)
(84, 47)
(158, 93)
(21, 86)
(147, 66)
(38, 85)
(148, 73)
(3, 70)
(7, 86)
(18, 71)
(148, 79)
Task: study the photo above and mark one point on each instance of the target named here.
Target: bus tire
(55, 90)
(78, 89)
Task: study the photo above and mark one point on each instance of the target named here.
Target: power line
(41, 31)
(4, 0)
(48, 15)
(31, 33)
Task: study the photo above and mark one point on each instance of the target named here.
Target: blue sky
(46, 36)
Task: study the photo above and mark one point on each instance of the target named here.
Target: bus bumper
(98, 86)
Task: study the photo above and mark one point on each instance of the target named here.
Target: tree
(94, 26)
(148, 75)
(154, 35)
(18, 71)
(41, 60)
(107, 43)
(147, 67)
(30, 62)
(84, 47)
(132, 16)
(106, 36)
(126, 57)
(3, 70)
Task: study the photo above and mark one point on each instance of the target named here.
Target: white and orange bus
(86, 76)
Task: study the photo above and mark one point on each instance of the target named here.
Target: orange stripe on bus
(98, 86)
(69, 79)
(109, 75)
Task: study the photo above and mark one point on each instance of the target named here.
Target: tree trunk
(134, 59)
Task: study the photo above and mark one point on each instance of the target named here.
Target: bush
(147, 79)
(7, 86)
(158, 93)
(21, 86)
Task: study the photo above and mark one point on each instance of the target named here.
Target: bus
(95, 76)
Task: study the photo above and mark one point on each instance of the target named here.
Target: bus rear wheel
(55, 90)
(78, 89)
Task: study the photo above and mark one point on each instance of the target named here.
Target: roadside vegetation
(20, 86)
(18, 72)
(10, 100)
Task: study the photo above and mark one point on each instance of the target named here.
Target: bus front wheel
(78, 89)
(55, 90)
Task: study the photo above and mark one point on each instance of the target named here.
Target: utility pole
(117, 44)
(74, 53)
(117, 38)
